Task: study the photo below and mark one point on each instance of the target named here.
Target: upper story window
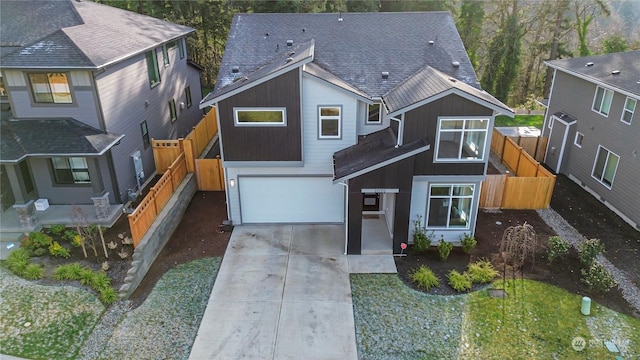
(330, 122)
(173, 114)
(449, 206)
(260, 116)
(144, 130)
(152, 67)
(461, 139)
(602, 101)
(50, 88)
(374, 115)
(605, 166)
(181, 48)
(187, 95)
(629, 108)
(165, 54)
(578, 140)
(71, 170)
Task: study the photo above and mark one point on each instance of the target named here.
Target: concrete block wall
(158, 235)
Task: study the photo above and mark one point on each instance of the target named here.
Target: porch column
(16, 185)
(100, 196)
(27, 214)
(102, 206)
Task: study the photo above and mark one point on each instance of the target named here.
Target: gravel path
(629, 291)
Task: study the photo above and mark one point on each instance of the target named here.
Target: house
(593, 125)
(85, 87)
(371, 120)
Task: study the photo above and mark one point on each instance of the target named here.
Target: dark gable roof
(77, 34)
(356, 50)
(628, 63)
(51, 137)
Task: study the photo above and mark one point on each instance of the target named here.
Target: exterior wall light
(232, 182)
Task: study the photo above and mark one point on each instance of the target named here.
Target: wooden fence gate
(209, 175)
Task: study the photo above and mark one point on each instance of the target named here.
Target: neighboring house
(356, 119)
(593, 125)
(88, 86)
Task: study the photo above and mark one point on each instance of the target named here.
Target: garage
(291, 200)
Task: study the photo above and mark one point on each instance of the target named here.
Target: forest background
(506, 40)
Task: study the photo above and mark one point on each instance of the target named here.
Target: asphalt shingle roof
(91, 35)
(628, 63)
(356, 50)
(51, 137)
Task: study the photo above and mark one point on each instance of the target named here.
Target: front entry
(378, 210)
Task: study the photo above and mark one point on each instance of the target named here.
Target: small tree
(519, 243)
(88, 234)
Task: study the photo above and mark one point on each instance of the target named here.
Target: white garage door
(291, 200)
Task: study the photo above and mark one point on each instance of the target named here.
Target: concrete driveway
(283, 292)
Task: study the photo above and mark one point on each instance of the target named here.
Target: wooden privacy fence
(143, 216)
(210, 175)
(533, 145)
(202, 133)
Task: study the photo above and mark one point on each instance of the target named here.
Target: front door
(370, 202)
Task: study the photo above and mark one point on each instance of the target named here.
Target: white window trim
(595, 96)
(575, 140)
(379, 121)
(450, 197)
(595, 160)
(329, 117)
(632, 111)
(281, 109)
(437, 141)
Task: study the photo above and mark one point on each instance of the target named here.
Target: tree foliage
(470, 27)
(613, 44)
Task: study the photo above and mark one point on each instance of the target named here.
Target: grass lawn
(520, 120)
(536, 321)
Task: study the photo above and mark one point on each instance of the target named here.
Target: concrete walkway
(283, 292)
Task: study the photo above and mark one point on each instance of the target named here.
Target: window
(165, 55)
(259, 116)
(72, 170)
(329, 122)
(461, 139)
(602, 101)
(50, 88)
(578, 140)
(374, 115)
(173, 114)
(604, 168)
(152, 67)
(181, 48)
(144, 130)
(627, 112)
(449, 206)
(187, 94)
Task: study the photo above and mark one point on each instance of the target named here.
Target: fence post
(187, 146)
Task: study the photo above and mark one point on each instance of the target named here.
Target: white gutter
(346, 215)
(400, 131)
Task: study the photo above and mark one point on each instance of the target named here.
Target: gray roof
(627, 63)
(356, 50)
(51, 137)
(76, 34)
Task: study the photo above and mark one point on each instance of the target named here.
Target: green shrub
(421, 240)
(33, 272)
(424, 277)
(37, 243)
(57, 230)
(557, 247)
(108, 295)
(459, 282)
(69, 236)
(481, 271)
(55, 249)
(444, 249)
(589, 250)
(597, 278)
(17, 261)
(100, 281)
(71, 271)
(468, 243)
(86, 276)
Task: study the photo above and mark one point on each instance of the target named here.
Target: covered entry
(558, 138)
(290, 200)
(378, 212)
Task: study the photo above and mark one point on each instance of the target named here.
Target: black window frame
(144, 131)
(187, 95)
(65, 176)
(173, 112)
(153, 70)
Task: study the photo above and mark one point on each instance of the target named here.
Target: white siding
(363, 127)
(14, 78)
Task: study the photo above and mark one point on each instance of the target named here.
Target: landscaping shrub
(57, 230)
(468, 243)
(424, 277)
(86, 277)
(70, 236)
(33, 272)
(481, 271)
(557, 247)
(589, 250)
(55, 249)
(108, 295)
(71, 271)
(17, 261)
(421, 240)
(597, 278)
(100, 281)
(37, 243)
(444, 249)
(459, 282)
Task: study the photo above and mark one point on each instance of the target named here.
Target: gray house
(87, 87)
(372, 121)
(593, 124)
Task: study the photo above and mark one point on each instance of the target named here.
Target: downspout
(346, 215)
(400, 131)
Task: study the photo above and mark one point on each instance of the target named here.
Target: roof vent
(430, 42)
(289, 59)
(615, 72)
(456, 63)
(235, 69)
(385, 75)
(340, 16)
(289, 42)
(589, 64)
(452, 79)
(303, 29)
(266, 34)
